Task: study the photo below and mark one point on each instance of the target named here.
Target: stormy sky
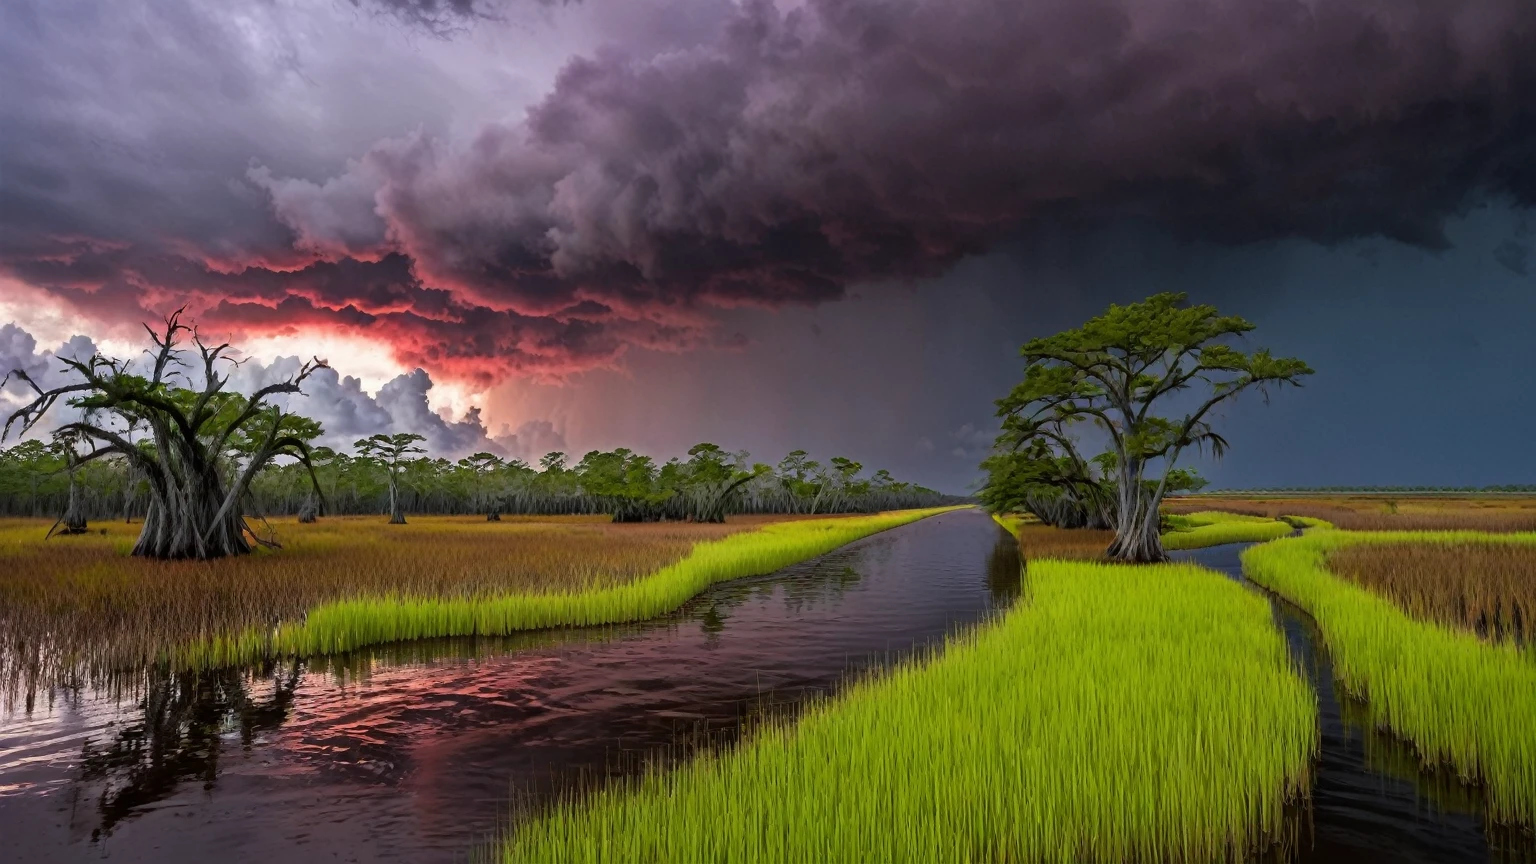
(533, 225)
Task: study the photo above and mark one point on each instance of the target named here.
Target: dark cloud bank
(851, 141)
(790, 156)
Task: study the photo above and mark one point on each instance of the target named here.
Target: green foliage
(1114, 373)
(711, 483)
(1119, 714)
(1459, 699)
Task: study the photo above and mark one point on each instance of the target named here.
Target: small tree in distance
(1113, 373)
(392, 451)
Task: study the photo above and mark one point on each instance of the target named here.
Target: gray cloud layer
(284, 165)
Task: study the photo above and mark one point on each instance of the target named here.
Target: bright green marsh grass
(352, 623)
(1459, 699)
(1213, 528)
(1116, 713)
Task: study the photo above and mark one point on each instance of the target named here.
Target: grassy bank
(1189, 531)
(351, 623)
(80, 604)
(1043, 541)
(1459, 699)
(1213, 528)
(1379, 511)
(1117, 713)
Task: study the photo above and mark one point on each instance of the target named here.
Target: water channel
(421, 751)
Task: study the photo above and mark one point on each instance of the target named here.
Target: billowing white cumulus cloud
(19, 352)
(337, 401)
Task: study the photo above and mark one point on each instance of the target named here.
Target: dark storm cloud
(769, 158)
(852, 140)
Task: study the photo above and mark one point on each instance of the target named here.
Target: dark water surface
(418, 752)
(1370, 800)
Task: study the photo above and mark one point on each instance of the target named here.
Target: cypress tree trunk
(396, 515)
(310, 511)
(179, 521)
(74, 514)
(1137, 538)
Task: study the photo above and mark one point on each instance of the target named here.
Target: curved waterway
(1370, 801)
(419, 751)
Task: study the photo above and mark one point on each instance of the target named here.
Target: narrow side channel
(1369, 802)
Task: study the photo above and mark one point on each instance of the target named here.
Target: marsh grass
(1116, 713)
(1380, 512)
(1043, 541)
(1213, 528)
(80, 603)
(1192, 531)
(353, 622)
(1461, 701)
(1486, 588)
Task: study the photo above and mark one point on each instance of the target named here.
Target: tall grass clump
(1213, 528)
(1487, 588)
(1116, 713)
(349, 623)
(1461, 701)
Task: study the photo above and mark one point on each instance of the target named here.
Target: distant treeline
(1335, 490)
(35, 481)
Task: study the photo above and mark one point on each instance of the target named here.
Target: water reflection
(182, 725)
(1005, 572)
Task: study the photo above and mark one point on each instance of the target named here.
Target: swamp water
(419, 751)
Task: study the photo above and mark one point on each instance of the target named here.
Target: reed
(1486, 588)
(1117, 713)
(1461, 701)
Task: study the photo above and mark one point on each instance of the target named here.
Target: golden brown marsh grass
(1043, 541)
(84, 598)
(1488, 588)
(1381, 512)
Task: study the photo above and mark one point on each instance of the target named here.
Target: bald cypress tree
(205, 446)
(1118, 373)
